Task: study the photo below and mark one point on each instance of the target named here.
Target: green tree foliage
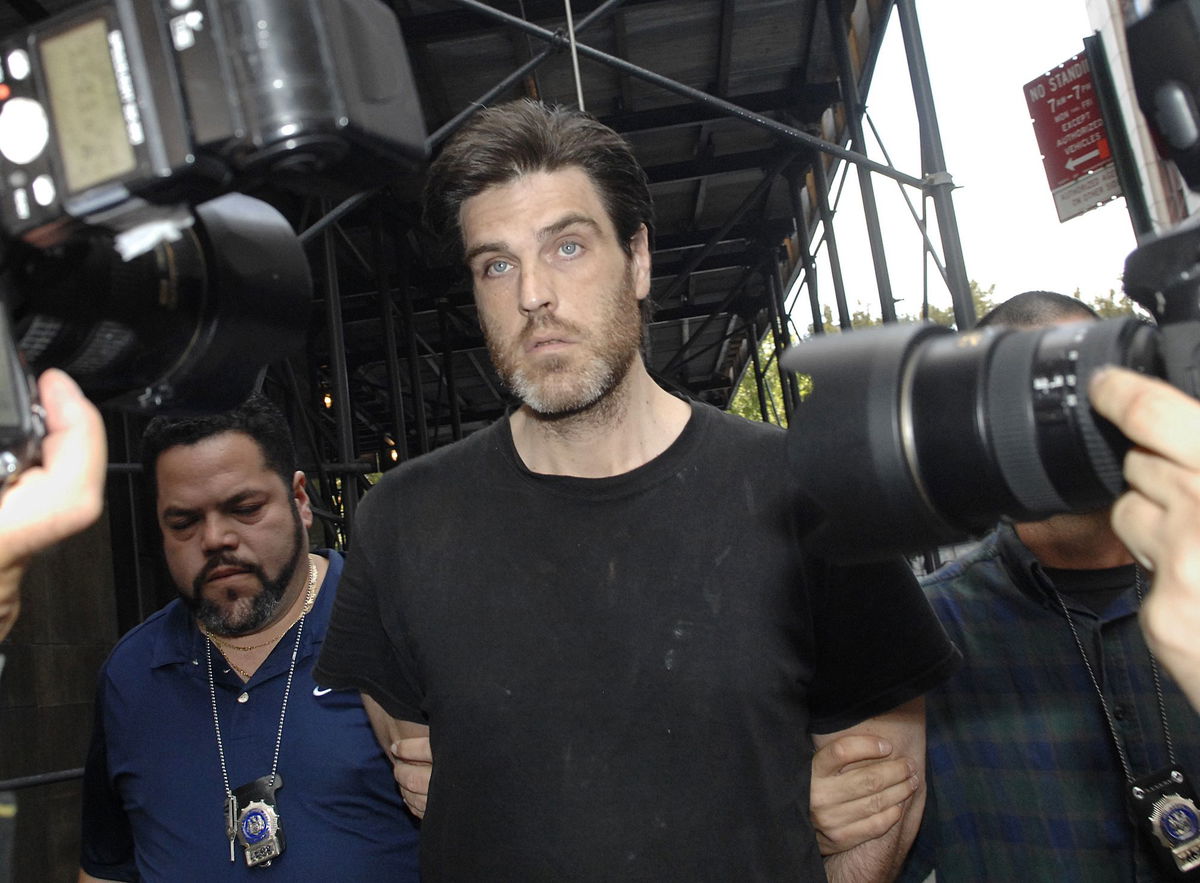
(745, 401)
(982, 298)
(860, 318)
(1110, 306)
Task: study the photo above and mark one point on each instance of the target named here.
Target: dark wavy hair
(502, 143)
(257, 417)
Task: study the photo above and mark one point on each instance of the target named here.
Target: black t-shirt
(620, 675)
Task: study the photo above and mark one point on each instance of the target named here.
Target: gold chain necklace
(223, 646)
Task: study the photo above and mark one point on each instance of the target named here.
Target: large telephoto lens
(912, 436)
(186, 326)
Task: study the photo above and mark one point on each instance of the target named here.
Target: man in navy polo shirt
(214, 754)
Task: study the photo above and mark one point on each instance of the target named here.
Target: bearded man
(214, 754)
(597, 607)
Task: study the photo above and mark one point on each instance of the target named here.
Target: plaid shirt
(1025, 783)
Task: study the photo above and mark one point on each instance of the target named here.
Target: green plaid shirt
(1025, 784)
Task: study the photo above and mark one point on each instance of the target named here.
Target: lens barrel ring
(1013, 427)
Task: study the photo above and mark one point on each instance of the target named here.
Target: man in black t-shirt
(597, 608)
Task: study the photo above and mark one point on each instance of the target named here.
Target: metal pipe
(746, 204)
(756, 361)
(420, 420)
(734, 292)
(41, 779)
(821, 180)
(340, 382)
(787, 133)
(1124, 160)
(448, 372)
(121, 571)
(390, 343)
(332, 216)
(776, 312)
(512, 79)
(795, 191)
(306, 423)
(853, 108)
(919, 219)
(933, 161)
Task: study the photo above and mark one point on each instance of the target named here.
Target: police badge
(1164, 807)
(258, 826)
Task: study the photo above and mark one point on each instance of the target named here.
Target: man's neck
(1075, 542)
(631, 426)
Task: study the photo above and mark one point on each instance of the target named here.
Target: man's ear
(300, 497)
(640, 247)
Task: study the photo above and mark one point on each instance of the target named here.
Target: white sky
(979, 57)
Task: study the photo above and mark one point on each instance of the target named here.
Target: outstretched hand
(61, 496)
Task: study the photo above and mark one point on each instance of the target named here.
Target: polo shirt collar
(1028, 576)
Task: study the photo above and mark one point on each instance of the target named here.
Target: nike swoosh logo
(321, 691)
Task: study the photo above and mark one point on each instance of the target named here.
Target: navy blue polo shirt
(153, 805)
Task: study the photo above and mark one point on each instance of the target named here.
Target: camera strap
(1161, 804)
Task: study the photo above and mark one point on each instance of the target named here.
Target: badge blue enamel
(260, 834)
(1176, 823)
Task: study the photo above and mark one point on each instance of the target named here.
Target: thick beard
(263, 606)
(555, 389)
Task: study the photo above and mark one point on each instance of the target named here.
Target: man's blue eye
(496, 267)
(569, 248)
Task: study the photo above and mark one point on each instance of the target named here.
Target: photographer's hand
(1158, 518)
(58, 498)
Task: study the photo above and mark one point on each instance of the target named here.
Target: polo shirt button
(245, 697)
(1121, 712)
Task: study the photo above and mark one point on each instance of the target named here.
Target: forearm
(407, 746)
(389, 730)
(879, 860)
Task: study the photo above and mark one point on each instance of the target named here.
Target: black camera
(131, 135)
(21, 420)
(118, 110)
(914, 437)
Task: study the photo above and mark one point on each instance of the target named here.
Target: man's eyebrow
(483, 248)
(177, 512)
(565, 222)
(229, 503)
(239, 498)
(546, 232)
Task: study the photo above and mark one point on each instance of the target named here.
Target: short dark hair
(1033, 309)
(257, 417)
(502, 143)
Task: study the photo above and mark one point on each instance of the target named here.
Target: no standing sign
(1072, 138)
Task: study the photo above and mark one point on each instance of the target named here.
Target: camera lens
(912, 436)
(172, 329)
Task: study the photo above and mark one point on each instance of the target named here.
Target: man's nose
(536, 291)
(218, 534)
